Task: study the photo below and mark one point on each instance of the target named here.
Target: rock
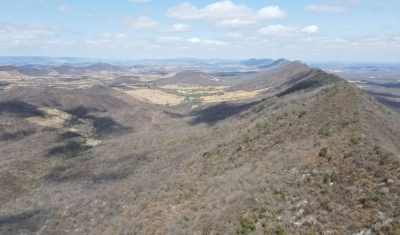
(390, 181)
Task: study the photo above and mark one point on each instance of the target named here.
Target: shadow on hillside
(20, 109)
(115, 170)
(389, 103)
(70, 149)
(386, 85)
(379, 94)
(68, 135)
(16, 135)
(213, 114)
(103, 125)
(384, 98)
(25, 221)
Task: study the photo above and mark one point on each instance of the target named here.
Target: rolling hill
(313, 155)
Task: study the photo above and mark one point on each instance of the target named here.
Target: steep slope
(320, 158)
(275, 77)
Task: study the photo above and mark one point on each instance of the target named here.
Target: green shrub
(279, 230)
(374, 197)
(324, 131)
(349, 154)
(238, 149)
(323, 152)
(281, 193)
(345, 122)
(261, 215)
(327, 178)
(355, 140)
(302, 113)
(245, 226)
(206, 154)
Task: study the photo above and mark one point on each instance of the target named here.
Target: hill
(189, 77)
(256, 62)
(22, 70)
(315, 156)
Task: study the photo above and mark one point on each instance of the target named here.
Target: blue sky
(309, 30)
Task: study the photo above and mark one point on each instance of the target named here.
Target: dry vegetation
(321, 158)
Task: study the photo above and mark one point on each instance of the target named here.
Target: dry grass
(53, 118)
(155, 96)
(232, 96)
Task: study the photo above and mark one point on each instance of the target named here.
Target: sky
(306, 30)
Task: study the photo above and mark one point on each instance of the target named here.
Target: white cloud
(141, 22)
(146, 23)
(286, 31)
(226, 14)
(12, 32)
(206, 41)
(176, 28)
(326, 8)
(310, 29)
(235, 35)
(64, 8)
(194, 40)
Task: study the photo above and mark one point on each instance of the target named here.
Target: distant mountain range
(47, 65)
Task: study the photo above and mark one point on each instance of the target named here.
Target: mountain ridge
(313, 154)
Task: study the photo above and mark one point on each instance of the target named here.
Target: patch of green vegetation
(374, 197)
(238, 149)
(279, 230)
(378, 149)
(93, 223)
(345, 122)
(327, 178)
(355, 140)
(323, 152)
(246, 225)
(349, 154)
(302, 113)
(246, 139)
(206, 154)
(324, 130)
(261, 214)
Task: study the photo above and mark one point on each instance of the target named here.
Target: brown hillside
(320, 158)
